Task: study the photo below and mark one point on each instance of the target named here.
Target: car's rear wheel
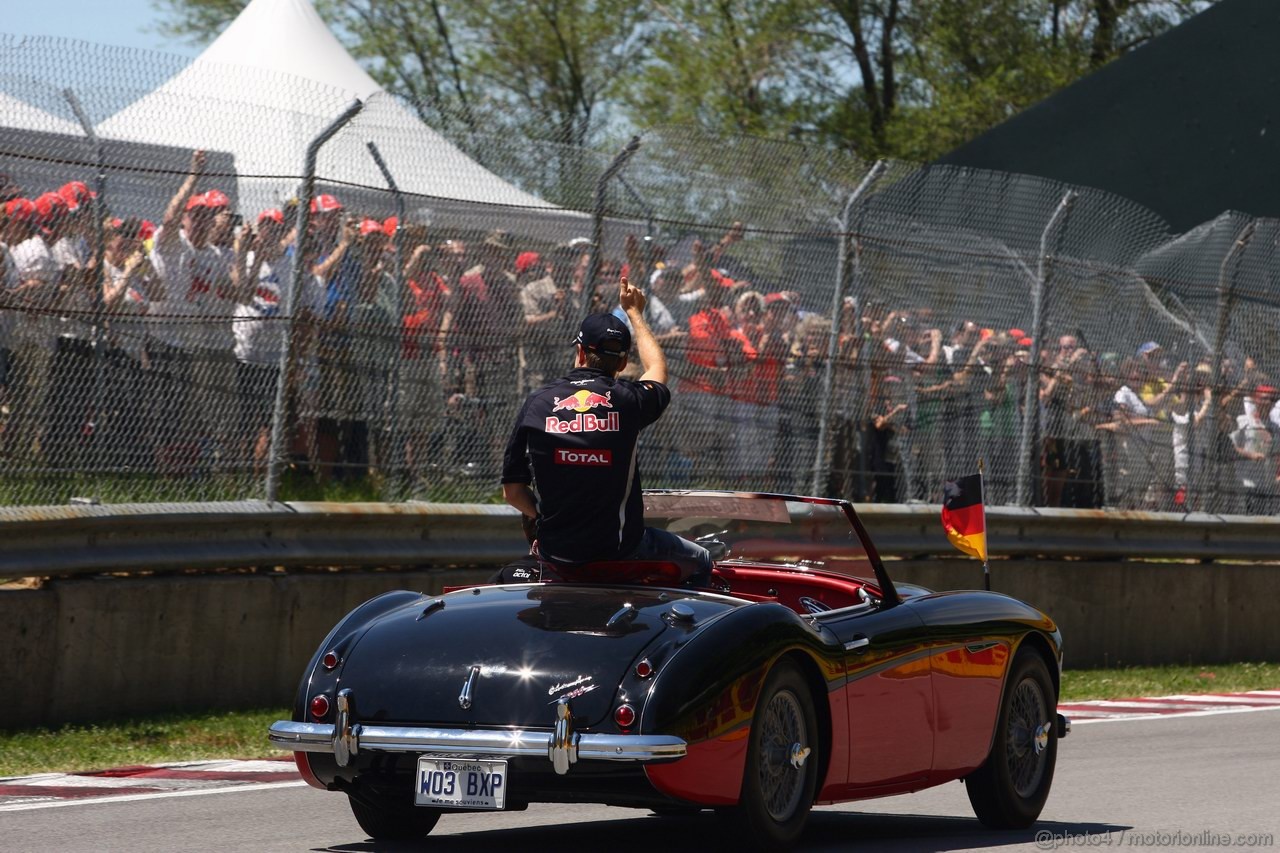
(1009, 790)
(385, 822)
(781, 776)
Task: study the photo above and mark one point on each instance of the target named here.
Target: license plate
(457, 783)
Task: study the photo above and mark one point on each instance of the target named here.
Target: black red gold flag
(963, 516)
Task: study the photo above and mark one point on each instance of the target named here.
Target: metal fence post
(1029, 443)
(848, 268)
(393, 442)
(1226, 297)
(597, 213)
(275, 459)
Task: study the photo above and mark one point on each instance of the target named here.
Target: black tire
(1009, 790)
(393, 823)
(776, 795)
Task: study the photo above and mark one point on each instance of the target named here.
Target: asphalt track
(1188, 783)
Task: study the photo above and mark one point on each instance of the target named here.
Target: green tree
(901, 78)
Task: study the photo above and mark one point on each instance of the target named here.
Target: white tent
(270, 83)
(18, 114)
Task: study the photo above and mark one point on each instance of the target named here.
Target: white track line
(1122, 717)
(1237, 699)
(129, 798)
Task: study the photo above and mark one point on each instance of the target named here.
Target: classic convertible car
(799, 676)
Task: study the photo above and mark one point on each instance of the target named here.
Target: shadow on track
(826, 831)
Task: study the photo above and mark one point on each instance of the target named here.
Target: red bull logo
(583, 401)
(584, 423)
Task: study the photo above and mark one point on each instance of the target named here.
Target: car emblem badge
(577, 682)
(464, 698)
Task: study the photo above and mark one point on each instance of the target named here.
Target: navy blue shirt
(575, 442)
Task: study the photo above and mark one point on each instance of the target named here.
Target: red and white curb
(125, 784)
(1159, 707)
(194, 778)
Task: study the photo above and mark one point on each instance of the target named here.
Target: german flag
(963, 516)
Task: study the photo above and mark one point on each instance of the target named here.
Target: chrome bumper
(562, 749)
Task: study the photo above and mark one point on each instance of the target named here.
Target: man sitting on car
(575, 441)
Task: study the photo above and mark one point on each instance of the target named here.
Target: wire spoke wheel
(781, 782)
(1025, 753)
(783, 763)
(1010, 788)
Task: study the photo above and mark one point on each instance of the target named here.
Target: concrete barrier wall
(87, 649)
(1131, 613)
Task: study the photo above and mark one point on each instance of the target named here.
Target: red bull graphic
(584, 423)
(583, 402)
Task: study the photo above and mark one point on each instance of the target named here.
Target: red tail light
(624, 716)
(330, 660)
(644, 669)
(319, 706)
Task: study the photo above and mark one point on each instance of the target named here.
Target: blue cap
(604, 333)
(1148, 348)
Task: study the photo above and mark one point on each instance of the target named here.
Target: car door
(888, 696)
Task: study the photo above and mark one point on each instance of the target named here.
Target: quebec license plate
(457, 783)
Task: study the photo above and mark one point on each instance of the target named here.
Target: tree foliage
(901, 78)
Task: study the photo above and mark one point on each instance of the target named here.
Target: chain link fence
(333, 300)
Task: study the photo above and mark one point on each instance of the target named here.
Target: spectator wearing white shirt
(37, 296)
(1254, 443)
(17, 217)
(192, 348)
(126, 425)
(262, 272)
(75, 381)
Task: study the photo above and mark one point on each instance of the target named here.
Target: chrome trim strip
(319, 737)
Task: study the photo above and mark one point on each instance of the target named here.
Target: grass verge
(242, 734)
(145, 740)
(1081, 684)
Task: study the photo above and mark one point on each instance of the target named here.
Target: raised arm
(178, 204)
(632, 300)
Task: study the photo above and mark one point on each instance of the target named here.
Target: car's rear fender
(340, 640)
(706, 691)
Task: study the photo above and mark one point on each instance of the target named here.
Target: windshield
(763, 528)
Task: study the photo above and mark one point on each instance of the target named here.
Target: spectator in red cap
(69, 221)
(17, 224)
(325, 203)
(262, 272)
(77, 194)
(544, 308)
(192, 354)
(426, 326)
(34, 228)
(710, 353)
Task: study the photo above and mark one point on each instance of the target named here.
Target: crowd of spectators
(411, 349)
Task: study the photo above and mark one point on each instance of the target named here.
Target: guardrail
(44, 541)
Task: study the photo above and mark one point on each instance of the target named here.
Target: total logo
(583, 402)
(566, 456)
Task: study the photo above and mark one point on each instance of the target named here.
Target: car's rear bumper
(473, 743)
